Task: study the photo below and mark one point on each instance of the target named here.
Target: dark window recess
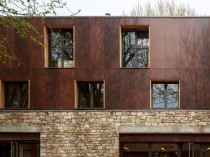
(165, 95)
(165, 149)
(91, 94)
(16, 94)
(61, 48)
(19, 149)
(135, 48)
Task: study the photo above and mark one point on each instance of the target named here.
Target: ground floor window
(165, 149)
(19, 149)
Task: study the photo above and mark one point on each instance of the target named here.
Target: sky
(116, 7)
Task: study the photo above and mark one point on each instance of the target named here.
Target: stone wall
(92, 133)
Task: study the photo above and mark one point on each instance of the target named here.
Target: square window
(90, 95)
(165, 95)
(135, 48)
(61, 48)
(16, 94)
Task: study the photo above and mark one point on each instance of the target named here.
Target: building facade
(108, 86)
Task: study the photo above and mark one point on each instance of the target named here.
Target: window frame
(178, 148)
(48, 44)
(17, 147)
(133, 29)
(77, 106)
(165, 94)
(3, 95)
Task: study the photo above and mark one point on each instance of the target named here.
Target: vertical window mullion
(11, 150)
(179, 149)
(192, 144)
(150, 150)
(201, 150)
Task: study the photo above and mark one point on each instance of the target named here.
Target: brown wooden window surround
(165, 95)
(16, 95)
(135, 48)
(61, 48)
(90, 95)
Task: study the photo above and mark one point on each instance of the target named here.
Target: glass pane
(158, 95)
(16, 95)
(135, 49)
(5, 149)
(27, 153)
(164, 150)
(68, 49)
(143, 38)
(186, 150)
(128, 49)
(172, 95)
(205, 150)
(90, 94)
(135, 149)
(98, 91)
(24, 95)
(28, 150)
(55, 49)
(141, 58)
(196, 150)
(84, 95)
(12, 95)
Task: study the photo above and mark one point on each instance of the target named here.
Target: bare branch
(162, 8)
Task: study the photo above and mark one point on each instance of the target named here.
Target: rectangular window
(135, 48)
(61, 48)
(20, 149)
(90, 94)
(165, 95)
(16, 94)
(165, 149)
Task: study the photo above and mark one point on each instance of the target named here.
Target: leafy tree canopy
(15, 13)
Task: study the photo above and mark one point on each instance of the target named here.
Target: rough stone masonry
(94, 133)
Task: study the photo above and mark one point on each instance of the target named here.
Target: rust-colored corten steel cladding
(179, 51)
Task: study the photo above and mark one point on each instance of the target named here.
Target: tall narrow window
(165, 95)
(135, 48)
(90, 94)
(61, 48)
(16, 94)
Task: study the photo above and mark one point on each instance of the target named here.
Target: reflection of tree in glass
(17, 95)
(172, 93)
(165, 95)
(13, 95)
(158, 94)
(56, 46)
(99, 90)
(91, 94)
(61, 46)
(135, 47)
(68, 46)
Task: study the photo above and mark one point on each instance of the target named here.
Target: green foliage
(162, 8)
(15, 14)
